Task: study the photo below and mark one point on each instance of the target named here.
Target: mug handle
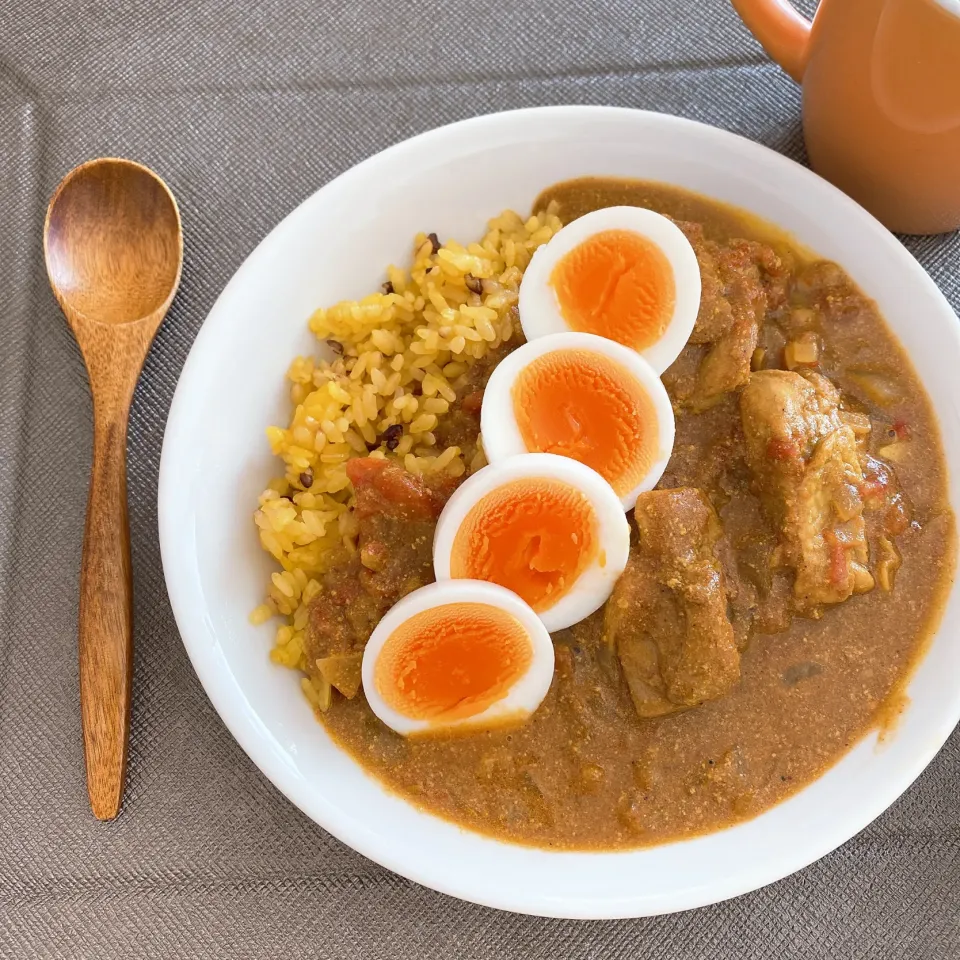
(782, 32)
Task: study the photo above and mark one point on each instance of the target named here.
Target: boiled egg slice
(583, 397)
(624, 273)
(545, 527)
(459, 655)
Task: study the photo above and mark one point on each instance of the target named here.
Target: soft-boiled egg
(546, 527)
(624, 273)
(457, 654)
(584, 397)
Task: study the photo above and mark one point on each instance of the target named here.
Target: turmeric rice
(390, 366)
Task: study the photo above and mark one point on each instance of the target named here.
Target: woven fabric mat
(246, 107)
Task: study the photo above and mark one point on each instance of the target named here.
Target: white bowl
(216, 460)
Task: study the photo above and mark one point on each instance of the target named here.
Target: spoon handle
(106, 619)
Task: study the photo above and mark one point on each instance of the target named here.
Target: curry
(784, 577)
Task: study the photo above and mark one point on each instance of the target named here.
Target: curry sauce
(587, 771)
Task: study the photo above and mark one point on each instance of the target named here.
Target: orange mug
(881, 100)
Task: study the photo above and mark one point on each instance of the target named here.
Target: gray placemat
(246, 107)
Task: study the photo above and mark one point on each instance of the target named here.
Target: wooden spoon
(114, 251)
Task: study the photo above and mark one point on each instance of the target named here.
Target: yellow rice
(403, 356)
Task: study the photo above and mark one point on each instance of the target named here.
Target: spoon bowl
(114, 251)
(113, 242)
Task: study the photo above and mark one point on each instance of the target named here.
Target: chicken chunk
(667, 618)
(715, 317)
(806, 467)
(739, 281)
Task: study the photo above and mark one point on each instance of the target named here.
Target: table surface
(246, 108)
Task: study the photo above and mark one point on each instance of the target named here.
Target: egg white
(594, 585)
(498, 421)
(523, 697)
(540, 311)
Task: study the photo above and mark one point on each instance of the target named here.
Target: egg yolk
(617, 284)
(452, 662)
(586, 406)
(534, 536)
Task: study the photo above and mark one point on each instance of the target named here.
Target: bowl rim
(226, 694)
